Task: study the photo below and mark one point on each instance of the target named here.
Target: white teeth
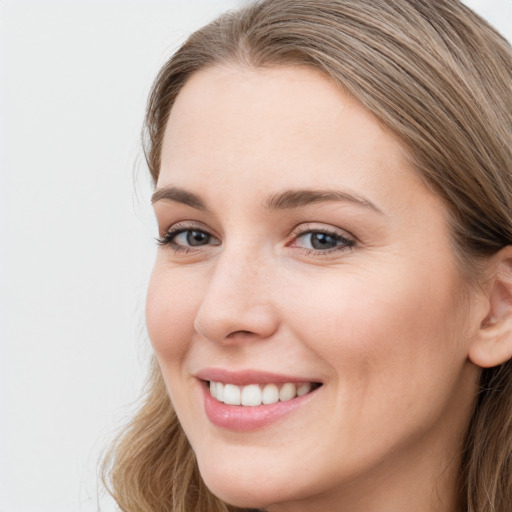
(270, 394)
(231, 394)
(253, 394)
(287, 392)
(219, 391)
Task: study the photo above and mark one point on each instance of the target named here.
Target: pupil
(323, 241)
(197, 238)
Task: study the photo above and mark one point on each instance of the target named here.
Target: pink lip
(240, 418)
(246, 377)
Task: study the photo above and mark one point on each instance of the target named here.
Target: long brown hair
(439, 77)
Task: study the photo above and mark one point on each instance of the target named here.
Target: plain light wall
(76, 231)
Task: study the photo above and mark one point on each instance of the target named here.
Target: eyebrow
(288, 199)
(303, 197)
(178, 195)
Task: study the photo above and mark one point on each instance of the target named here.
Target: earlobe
(492, 345)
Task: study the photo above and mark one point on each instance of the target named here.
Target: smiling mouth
(254, 395)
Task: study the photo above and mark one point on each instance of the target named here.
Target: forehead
(282, 126)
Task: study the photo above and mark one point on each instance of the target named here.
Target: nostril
(239, 333)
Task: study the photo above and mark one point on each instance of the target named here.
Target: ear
(492, 345)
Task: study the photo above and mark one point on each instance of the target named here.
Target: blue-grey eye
(183, 238)
(197, 237)
(192, 238)
(323, 241)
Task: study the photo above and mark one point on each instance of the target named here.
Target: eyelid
(183, 224)
(186, 225)
(312, 227)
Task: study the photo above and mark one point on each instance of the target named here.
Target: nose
(237, 303)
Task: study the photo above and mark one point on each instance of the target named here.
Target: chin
(243, 487)
(238, 494)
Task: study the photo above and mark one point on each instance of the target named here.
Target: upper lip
(249, 376)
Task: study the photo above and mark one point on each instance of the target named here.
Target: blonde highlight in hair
(151, 467)
(439, 77)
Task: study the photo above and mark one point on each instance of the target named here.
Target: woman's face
(302, 254)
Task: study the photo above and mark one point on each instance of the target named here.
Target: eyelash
(168, 239)
(343, 242)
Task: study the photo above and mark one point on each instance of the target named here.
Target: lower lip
(243, 418)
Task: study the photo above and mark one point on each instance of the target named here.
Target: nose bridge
(237, 303)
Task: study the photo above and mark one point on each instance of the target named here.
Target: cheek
(397, 328)
(395, 357)
(170, 315)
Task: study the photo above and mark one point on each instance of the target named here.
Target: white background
(76, 231)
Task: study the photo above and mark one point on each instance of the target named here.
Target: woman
(331, 304)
